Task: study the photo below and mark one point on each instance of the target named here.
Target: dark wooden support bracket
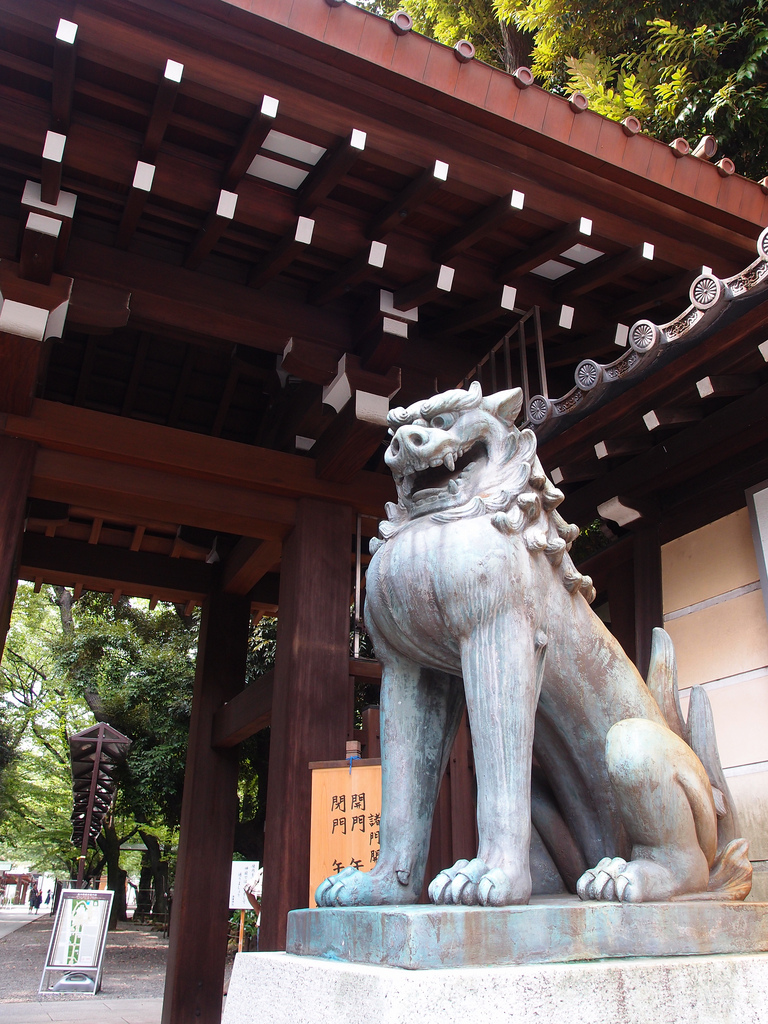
(494, 217)
(575, 472)
(408, 200)
(727, 386)
(165, 98)
(309, 361)
(658, 419)
(63, 87)
(251, 141)
(329, 172)
(383, 345)
(249, 562)
(351, 439)
(217, 223)
(614, 448)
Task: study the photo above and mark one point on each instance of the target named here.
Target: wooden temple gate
(231, 232)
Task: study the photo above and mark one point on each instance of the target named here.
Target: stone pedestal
(548, 930)
(469, 965)
(280, 988)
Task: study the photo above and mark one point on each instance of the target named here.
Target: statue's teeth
(449, 461)
(453, 487)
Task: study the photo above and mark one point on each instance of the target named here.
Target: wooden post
(311, 696)
(194, 979)
(16, 461)
(648, 597)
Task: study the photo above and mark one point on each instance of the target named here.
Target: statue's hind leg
(667, 807)
(420, 713)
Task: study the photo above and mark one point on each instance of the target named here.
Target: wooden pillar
(16, 462)
(194, 979)
(310, 703)
(621, 605)
(648, 596)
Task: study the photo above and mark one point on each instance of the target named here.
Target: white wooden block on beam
(53, 148)
(763, 350)
(66, 31)
(23, 320)
(173, 71)
(387, 306)
(143, 176)
(65, 207)
(304, 229)
(618, 512)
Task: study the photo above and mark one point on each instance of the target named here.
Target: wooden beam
(550, 245)
(331, 168)
(105, 569)
(197, 956)
(601, 271)
(114, 489)
(283, 254)
(250, 143)
(666, 417)
(492, 218)
(498, 303)
(352, 438)
(39, 246)
(172, 297)
(248, 563)
(16, 462)
(63, 211)
(53, 157)
(679, 454)
(142, 350)
(312, 650)
(165, 98)
(226, 399)
(309, 361)
(143, 177)
(617, 447)
(435, 283)
(178, 453)
(648, 595)
(19, 369)
(246, 714)
(728, 385)
(217, 223)
(352, 273)
(97, 307)
(384, 345)
(407, 200)
(63, 85)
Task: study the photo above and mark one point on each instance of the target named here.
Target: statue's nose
(407, 440)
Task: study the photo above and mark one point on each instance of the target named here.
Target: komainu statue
(473, 598)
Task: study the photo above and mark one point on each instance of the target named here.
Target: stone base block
(549, 930)
(279, 988)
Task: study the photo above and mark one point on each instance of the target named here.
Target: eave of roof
(347, 35)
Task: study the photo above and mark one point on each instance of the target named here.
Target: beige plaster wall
(726, 645)
(710, 561)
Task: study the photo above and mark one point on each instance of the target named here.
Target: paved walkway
(12, 918)
(132, 985)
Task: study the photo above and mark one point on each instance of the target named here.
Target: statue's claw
(464, 886)
(328, 892)
(440, 886)
(604, 881)
(492, 888)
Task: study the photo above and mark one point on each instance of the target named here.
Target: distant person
(48, 897)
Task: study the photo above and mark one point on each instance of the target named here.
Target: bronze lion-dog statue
(472, 597)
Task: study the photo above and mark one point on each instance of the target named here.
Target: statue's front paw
(606, 881)
(473, 883)
(333, 891)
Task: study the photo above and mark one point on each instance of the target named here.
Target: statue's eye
(444, 421)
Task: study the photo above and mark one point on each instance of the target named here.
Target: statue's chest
(437, 579)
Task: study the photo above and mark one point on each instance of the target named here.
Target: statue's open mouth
(445, 476)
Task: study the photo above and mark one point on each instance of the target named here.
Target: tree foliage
(683, 67)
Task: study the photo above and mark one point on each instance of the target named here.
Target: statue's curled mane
(525, 504)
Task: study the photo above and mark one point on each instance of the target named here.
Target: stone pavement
(132, 985)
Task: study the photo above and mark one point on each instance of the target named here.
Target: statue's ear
(505, 405)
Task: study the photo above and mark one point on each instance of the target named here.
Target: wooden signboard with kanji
(346, 810)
